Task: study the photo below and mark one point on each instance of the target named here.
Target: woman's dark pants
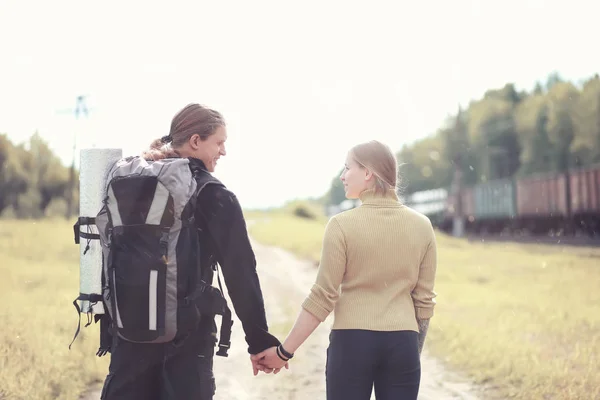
(358, 359)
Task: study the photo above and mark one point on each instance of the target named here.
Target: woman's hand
(270, 360)
(256, 366)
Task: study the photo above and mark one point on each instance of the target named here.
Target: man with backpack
(165, 227)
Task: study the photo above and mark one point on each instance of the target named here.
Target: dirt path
(285, 281)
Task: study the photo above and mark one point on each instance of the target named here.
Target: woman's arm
(326, 290)
(305, 325)
(423, 294)
(321, 300)
(423, 327)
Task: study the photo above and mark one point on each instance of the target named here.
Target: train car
(494, 206)
(550, 203)
(467, 205)
(431, 203)
(348, 204)
(584, 188)
(542, 205)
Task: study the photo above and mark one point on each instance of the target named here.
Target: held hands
(270, 360)
(257, 366)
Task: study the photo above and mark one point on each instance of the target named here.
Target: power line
(81, 109)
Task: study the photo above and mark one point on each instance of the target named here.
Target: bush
(303, 211)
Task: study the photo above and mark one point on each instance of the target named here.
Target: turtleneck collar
(197, 163)
(389, 198)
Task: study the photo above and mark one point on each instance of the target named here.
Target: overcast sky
(298, 82)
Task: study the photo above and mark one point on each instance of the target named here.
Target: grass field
(40, 279)
(298, 235)
(522, 320)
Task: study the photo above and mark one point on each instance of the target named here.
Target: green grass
(299, 235)
(40, 279)
(523, 320)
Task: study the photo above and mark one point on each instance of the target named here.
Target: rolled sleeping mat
(94, 167)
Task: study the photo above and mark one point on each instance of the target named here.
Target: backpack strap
(92, 298)
(226, 324)
(85, 221)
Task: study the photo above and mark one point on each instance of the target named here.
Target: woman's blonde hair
(379, 159)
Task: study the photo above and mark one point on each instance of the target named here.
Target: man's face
(211, 149)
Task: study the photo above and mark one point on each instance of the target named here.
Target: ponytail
(159, 150)
(193, 119)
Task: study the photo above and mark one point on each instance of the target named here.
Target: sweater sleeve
(423, 294)
(325, 291)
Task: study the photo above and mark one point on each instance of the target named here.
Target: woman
(377, 272)
(185, 370)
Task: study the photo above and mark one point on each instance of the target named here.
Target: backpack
(151, 287)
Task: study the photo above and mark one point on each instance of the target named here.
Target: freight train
(544, 204)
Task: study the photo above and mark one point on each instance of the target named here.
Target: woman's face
(355, 178)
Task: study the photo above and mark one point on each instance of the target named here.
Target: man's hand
(269, 359)
(257, 366)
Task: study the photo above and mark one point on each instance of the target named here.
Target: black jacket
(224, 238)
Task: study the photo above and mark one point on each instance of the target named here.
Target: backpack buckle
(84, 221)
(223, 348)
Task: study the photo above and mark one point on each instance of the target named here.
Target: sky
(298, 83)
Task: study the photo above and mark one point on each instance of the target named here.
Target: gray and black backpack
(151, 287)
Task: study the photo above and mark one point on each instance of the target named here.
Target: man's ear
(194, 141)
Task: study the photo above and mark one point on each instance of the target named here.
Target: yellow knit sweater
(377, 268)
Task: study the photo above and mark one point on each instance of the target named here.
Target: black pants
(358, 359)
(140, 371)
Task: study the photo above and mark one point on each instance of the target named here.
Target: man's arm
(227, 227)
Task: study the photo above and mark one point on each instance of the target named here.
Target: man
(183, 369)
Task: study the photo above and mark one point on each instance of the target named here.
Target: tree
(507, 132)
(492, 130)
(585, 148)
(553, 79)
(336, 193)
(537, 153)
(458, 149)
(13, 177)
(31, 177)
(50, 176)
(423, 165)
(562, 97)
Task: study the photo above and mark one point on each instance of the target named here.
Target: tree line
(33, 181)
(553, 128)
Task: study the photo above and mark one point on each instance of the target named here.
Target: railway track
(579, 241)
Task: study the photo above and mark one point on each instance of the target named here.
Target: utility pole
(458, 225)
(80, 109)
